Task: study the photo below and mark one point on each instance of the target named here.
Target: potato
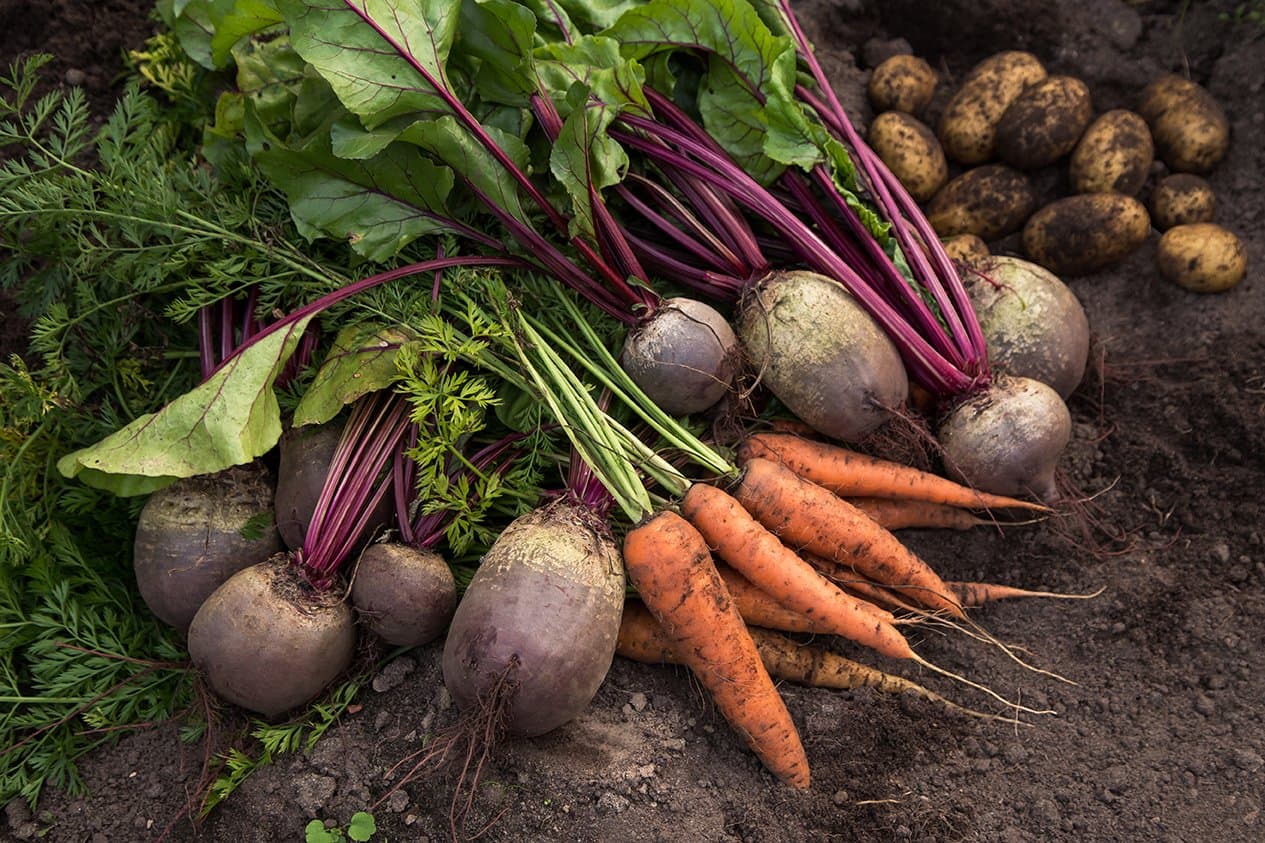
(1182, 199)
(1083, 234)
(989, 202)
(1044, 122)
(1114, 155)
(1202, 257)
(910, 150)
(965, 248)
(968, 127)
(902, 83)
(1190, 128)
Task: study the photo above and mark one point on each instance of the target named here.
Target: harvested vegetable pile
(463, 388)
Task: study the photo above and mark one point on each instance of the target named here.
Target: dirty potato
(1181, 199)
(902, 83)
(1114, 155)
(910, 150)
(989, 202)
(968, 127)
(1202, 257)
(1190, 128)
(1083, 234)
(965, 248)
(1044, 122)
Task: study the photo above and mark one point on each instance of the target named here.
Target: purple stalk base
(922, 248)
(356, 484)
(236, 329)
(702, 161)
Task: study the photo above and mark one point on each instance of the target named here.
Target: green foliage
(361, 827)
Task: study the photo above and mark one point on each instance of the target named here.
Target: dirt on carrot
(850, 474)
(809, 517)
(669, 563)
(775, 569)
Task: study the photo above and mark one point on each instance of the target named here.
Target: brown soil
(1161, 739)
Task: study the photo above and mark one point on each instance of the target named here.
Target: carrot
(850, 474)
(808, 517)
(669, 563)
(976, 594)
(848, 580)
(772, 567)
(760, 609)
(893, 514)
(642, 640)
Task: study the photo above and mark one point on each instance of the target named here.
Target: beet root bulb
(684, 357)
(541, 617)
(822, 355)
(404, 595)
(196, 533)
(1007, 439)
(268, 642)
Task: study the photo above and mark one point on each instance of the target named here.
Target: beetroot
(267, 641)
(540, 618)
(305, 455)
(822, 355)
(684, 357)
(1007, 439)
(405, 595)
(196, 533)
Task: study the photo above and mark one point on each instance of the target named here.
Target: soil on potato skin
(1161, 739)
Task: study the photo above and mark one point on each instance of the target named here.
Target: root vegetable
(849, 474)
(268, 641)
(1202, 257)
(671, 566)
(305, 456)
(540, 618)
(1034, 324)
(902, 83)
(760, 556)
(1182, 199)
(405, 595)
(196, 533)
(1114, 155)
(808, 517)
(684, 357)
(822, 355)
(1007, 439)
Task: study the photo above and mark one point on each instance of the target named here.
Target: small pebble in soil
(1204, 705)
(612, 803)
(397, 802)
(1248, 760)
(1216, 681)
(393, 674)
(637, 701)
(75, 77)
(1221, 553)
(840, 798)
(674, 744)
(312, 791)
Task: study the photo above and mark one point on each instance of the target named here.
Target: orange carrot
(850, 474)
(853, 583)
(772, 567)
(893, 514)
(642, 640)
(808, 517)
(975, 594)
(669, 563)
(759, 609)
